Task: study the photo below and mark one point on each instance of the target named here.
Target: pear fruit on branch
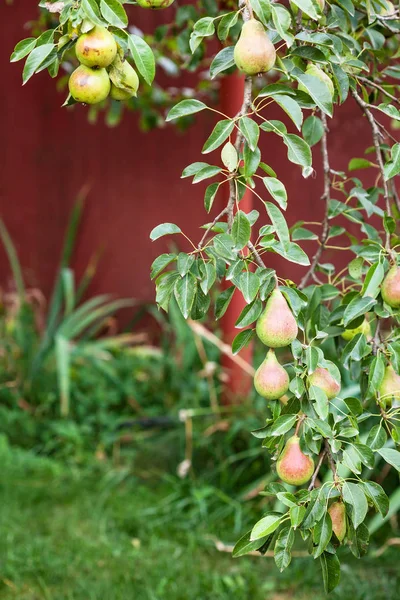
(293, 466)
(97, 48)
(389, 389)
(155, 4)
(89, 86)
(277, 326)
(365, 328)
(271, 380)
(323, 379)
(337, 513)
(254, 52)
(390, 289)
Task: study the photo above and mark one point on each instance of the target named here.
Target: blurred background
(128, 468)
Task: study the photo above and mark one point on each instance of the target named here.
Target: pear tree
(334, 329)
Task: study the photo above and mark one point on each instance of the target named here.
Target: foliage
(327, 55)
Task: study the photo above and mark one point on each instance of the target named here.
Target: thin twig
(317, 468)
(377, 338)
(378, 87)
(210, 226)
(326, 196)
(330, 459)
(375, 136)
(257, 257)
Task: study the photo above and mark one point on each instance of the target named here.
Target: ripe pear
(154, 3)
(293, 466)
(364, 328)
(254, 52)
(337, 512)
(390, 387)
(129, 80)
(89, 85)
(323, 379)
(277, 326)
(97, 48)
(271, 380)
(316, 71)
(390, 289)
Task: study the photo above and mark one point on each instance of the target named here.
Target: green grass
(105, 534)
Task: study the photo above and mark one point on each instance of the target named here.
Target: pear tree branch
(317, 468)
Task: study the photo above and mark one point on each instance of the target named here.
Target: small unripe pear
(129, 80)
(277, 326)
(154, 3)
(390, 387)
(293, 466)
(337, 512)
(254, 52)
(323, 379)
(364, 328)
(316, 71)
(89, 86)
(390, 289)
(271, 380)
(97, 48)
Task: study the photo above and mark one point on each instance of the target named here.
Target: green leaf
(225, 24)
(282, 22)
(292, 253)
(282, 425)
(223, 60)
(291, 108)
(160, 263)
(249, 284)
(373, 280)
(262, 8)
(223, 245)
(206, 173)
(209, 196)
(391, 456)
(355, 267)
(359, 163)
(266, 525)
(249, 314)
(221, 131)
(193, 168)
(283, 547)
(164, 229)
(242, 340)
(22, 49)
(299, 151)
(229, 156)
(245, 545)
(376, 373)
(297, 515)
(184, 263)
(307, 7)
(251, 160)
(144, 60)
(91, 10)
(316, 508)
(392, 168)
(223, 301)
(317, 89)
(377, 437)
(35, 59)
(209, 275)
(184, 108)
(353, 495)
(114, 13)
(250, 130)
(322, 534)
(185, 291)
(279, 223)
(312, 130)
(241, 230)
(330, 571)
(377, 496)
(357, 307)
(320, 400)
(165, 286)
(277, 190)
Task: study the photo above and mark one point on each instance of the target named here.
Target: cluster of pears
(91, 82)
(254, 52)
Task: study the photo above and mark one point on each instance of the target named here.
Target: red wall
(48, 153)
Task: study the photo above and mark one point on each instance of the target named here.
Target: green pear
(128, 79)
(277, 326)
(97, 48)
(337, 512)
(316, 71)
(271, 380)
(254, 52)
(323, 379)
(390, 289)
(293, 466)
(154, 3)
(89, 86)
(364, 328)
(390, 387)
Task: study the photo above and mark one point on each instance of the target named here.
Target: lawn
(102, 533)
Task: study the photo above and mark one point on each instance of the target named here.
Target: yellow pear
(254, 52)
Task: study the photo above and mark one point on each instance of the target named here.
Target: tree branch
(326, 196)
(375, 136)
(317, 468)
(211, 225)
(330, 459)
(379, 87)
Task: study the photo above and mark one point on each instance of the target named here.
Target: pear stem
(299, 422)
